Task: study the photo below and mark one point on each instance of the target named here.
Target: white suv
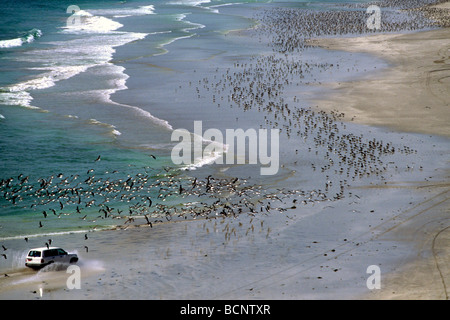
(40, 257)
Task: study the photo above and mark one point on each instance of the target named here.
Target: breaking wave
(29, 37)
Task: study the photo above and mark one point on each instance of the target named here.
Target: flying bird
(148, 221)
(98, 159)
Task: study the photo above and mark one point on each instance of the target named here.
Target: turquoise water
(56, 115)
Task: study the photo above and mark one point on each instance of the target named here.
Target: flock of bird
(148, 197)
(258, 83)
(288, 28)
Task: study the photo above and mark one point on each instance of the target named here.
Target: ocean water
(115, 85)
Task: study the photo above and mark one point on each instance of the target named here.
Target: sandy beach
(393, 214)
(411, 96)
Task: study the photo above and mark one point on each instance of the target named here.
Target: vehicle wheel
(73, 260)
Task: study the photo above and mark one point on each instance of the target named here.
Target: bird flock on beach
(258, 83)
(288, 29)
(145, 199)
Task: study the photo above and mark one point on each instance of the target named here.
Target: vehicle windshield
(34, 253)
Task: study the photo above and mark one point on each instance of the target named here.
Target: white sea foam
(95, 47)
(96, 122)
(180, 17)
(114, 131)
(48, 79)
(193, 3)
(145, 114)
(85, 22)
(214, 7)
(124, 12)
(67, 59)
(36, 235)
(207, 158)
(29, 37)
(17, 94)
(17, 42)
(225, 4)
(20, 98)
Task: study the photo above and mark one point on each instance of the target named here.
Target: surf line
(190, 147)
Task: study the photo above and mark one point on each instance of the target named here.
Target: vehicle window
(61, 252)
(50, 253)
(34, 253)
